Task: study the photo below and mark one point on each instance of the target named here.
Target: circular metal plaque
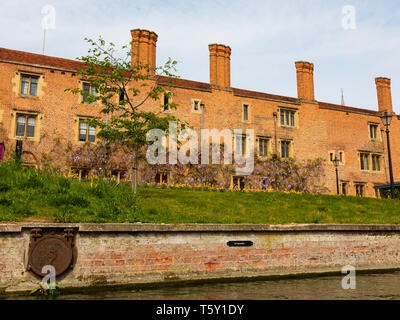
(51, 250)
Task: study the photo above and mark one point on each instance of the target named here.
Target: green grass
(28, 195)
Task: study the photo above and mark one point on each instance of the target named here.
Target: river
(368, 286)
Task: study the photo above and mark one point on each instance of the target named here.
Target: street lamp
(201, 144)
(386, 120)
(336, 163)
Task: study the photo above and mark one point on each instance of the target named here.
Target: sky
(350, 42)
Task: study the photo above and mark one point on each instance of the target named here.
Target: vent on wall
(240, 243)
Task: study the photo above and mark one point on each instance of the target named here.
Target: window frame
(344, 185)
(377, 136)
(90, 92)
(30, 76)
(243, 143)
(265, 146)
(27, 116)
(288, 117)
(161, 174)
(364, 161)
(360, 189)
(248, 107)
(288, 149)
(240, 180)
(199, 103)
(85, 120)
(376, 166)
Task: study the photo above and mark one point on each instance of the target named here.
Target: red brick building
(35, 108)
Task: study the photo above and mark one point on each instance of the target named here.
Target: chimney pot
(144, 44)
(305, 80)
(383, 89)
(220, 66)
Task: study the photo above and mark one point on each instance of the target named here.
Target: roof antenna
(341, 90)
(48, 22)
(44, 40)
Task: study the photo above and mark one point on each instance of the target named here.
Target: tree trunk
(134, 181)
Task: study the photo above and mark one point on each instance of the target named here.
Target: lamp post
(201, 144)
(336, 163)
(386, 120)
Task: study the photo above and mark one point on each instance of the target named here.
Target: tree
(122, 86)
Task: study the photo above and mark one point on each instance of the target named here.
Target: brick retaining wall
(121, 254)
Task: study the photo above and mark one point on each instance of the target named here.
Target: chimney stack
(144, 48)
(384, 94)
(305, 80)
(220, 65)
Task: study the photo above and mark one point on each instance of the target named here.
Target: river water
(368, 286)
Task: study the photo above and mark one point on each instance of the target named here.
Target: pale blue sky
(266, 38)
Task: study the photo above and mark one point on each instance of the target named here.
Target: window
(161, 178)
(240, 145)
(263, 146)
(119, 176)
(79, 174)
(373, 131)
(25, 125)
(344, 188)
(166, 102)
(121, 96)
(360, 189)
(89, 89)
(238, 182)
(287, 118)
(285, 149)
(376, 162)
(29, 85)
(246, 112)
(86, 132)
(196, 105)
(364, 161)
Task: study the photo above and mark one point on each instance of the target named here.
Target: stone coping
(151, 227)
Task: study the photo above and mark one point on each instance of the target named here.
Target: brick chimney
(384, 94)
(220, 65)
(144, 48)
(305, 80)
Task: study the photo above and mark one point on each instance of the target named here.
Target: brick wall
(135, 254)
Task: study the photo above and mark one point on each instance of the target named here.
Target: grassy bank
(27, 195)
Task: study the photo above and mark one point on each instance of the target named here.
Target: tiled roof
(263, 95)
(38, 59)
(184, 83)
(42, 60)
(347, 109)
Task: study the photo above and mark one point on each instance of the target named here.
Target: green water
(368, 286)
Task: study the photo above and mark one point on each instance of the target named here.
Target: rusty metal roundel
(51, 249)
